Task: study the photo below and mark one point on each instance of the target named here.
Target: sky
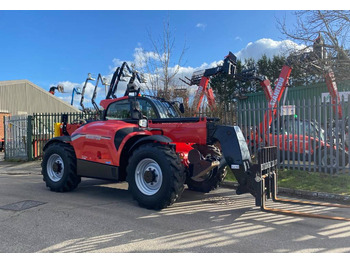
(50, 47)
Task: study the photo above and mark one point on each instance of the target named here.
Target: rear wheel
(329, 161)
(59, 168)
(155, 176)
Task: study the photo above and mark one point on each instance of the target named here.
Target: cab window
(119, 110)
(147, 109)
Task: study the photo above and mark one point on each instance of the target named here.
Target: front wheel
(59, 168)
(155, 176)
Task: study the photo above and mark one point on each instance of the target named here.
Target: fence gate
(16, 134)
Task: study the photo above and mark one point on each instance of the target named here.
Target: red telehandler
(144, 140)
(291, 143)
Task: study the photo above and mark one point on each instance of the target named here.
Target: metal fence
(25, 136)
(16, 142)
(310, 135)
(42, 126)
(314, 137)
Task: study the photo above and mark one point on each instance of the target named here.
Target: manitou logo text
(277, 92)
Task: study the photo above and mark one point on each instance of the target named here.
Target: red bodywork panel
(95, 141)
(184, 132)
(290, 142)
(184, 135)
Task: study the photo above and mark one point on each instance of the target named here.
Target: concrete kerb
(300, 193)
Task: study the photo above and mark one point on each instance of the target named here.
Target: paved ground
(102, 217)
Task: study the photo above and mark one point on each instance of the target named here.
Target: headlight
(143, 123)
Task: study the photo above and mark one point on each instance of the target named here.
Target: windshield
(308, 128)
(299, 127)
(165, 109)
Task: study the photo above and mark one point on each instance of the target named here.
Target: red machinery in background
(202, 78)
(59, 88)
(296, 143)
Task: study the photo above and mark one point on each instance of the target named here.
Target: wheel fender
(150, 139)
(59, 139)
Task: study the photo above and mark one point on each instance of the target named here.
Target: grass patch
(310, 181)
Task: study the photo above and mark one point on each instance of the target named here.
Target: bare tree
(332, 27)
(158, 64)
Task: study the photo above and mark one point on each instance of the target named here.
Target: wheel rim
(55, 167)
(148, 176)
(329, 160)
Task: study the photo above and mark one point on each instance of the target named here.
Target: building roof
(24, 97)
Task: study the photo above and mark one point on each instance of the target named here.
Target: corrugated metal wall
(299, 92)
(298, 96)
(23, 97)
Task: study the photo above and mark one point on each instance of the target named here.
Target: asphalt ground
(102, 217)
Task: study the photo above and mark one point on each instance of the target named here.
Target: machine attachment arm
(201, 79)
(75, 91)
(89, 78)
(112, 83)
(103, 81)
(333, 91)
(119, 74)
(276, 97)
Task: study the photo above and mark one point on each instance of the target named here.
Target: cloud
(201, 26)
(141, 57)
(253, 50)
(89, 90)
(268, 47)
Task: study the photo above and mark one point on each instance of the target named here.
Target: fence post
(5, 137)
(30, 138)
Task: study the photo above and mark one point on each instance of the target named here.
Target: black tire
(328, 161)
(59, 168)
(155, 176)
(208, 183)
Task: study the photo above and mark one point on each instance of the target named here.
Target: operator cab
(149, 107)
(132, 106)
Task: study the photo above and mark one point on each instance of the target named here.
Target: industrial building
(22, 97)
